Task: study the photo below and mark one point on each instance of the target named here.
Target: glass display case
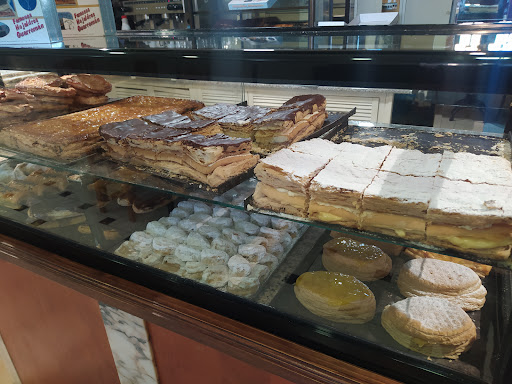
(213, 245)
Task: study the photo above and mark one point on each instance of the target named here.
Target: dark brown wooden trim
(261, 349)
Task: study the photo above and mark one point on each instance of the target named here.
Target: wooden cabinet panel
(53, 334)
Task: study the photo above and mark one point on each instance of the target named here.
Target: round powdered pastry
(238, 215)
(142, 237)
(197, 241)
(220, 212)
(221, 222)
(335, 297)
(185, 253)
(169, 221)
(253, 253)
(216, 275)
(177, 234)
(209, 232)
(164, 245)
(243, 286)
(214, 257)
(261, 272)
(199, 217)
(261, 220)
(246, 227)
(189, 225)
(156, 229)
(180, 213)
(363, 261)
(187, 206)
(236, 237)
(225, 245)
(200, 207)
(429, 325)
(193, 270)
(239, 266)
(444, 279)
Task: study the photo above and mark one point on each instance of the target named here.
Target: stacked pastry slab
(75, 135)
(191, 149)
(454, 200)
(269, 129)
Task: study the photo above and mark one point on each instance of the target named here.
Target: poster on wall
(86, 21)
(24, 23)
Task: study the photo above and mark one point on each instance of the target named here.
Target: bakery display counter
(328, 236)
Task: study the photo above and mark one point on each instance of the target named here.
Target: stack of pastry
(297, 118)
(75, 135)
(443, 279)
(90, 89)
(222, 247)
(270, 129)
(180, 150)
(284, 179)
(430, 325)
(427, 197)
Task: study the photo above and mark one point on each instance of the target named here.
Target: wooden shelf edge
(261, 349)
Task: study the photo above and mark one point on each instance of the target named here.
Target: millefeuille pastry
(240, 122)
(359, 156)
(408, 162)
(177, 151)
(77, 134)
(471, 218)
(284, 178)
(335, 297)
(437, 278)
(476, 169)
(397, 205)
(431, 326)
(317, 147)
(336, 193)
(351, 257)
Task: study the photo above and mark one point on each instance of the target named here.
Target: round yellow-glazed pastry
(335, 296)
(365, 262)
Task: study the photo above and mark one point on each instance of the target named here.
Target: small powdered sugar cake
(437, 278)
(430, 325)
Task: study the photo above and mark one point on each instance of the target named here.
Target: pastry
(351, 257)
(252, 252)
(243, 286)
(260, 272)
(216, 275)
(336, 193)
(197, 241)
(239, 123)
(156, 229)
(214, 257)
(481, 270)
(437, 278)
(194, 270)
(76, 134)
(408, 162)
(177, 152)
(176, 234)
(387, 248)
(360, 156)
(431, 326)
(471, 218)
(397, 205)
(186, 253)
(239, 266)
(284, 179)
(317, 147)
(247, 227)
(335, 297)
(476, 169)
(224, 245)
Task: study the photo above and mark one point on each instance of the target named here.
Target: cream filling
(399, 224)
(484, 238)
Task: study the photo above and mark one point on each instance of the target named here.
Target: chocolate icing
(245, 115)
(167, 118)
(217, 111)
(304, 102)
(122, 130)
(279, 115)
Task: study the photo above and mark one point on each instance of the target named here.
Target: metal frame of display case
(454, 71)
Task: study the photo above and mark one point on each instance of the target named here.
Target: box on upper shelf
(236, 5)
